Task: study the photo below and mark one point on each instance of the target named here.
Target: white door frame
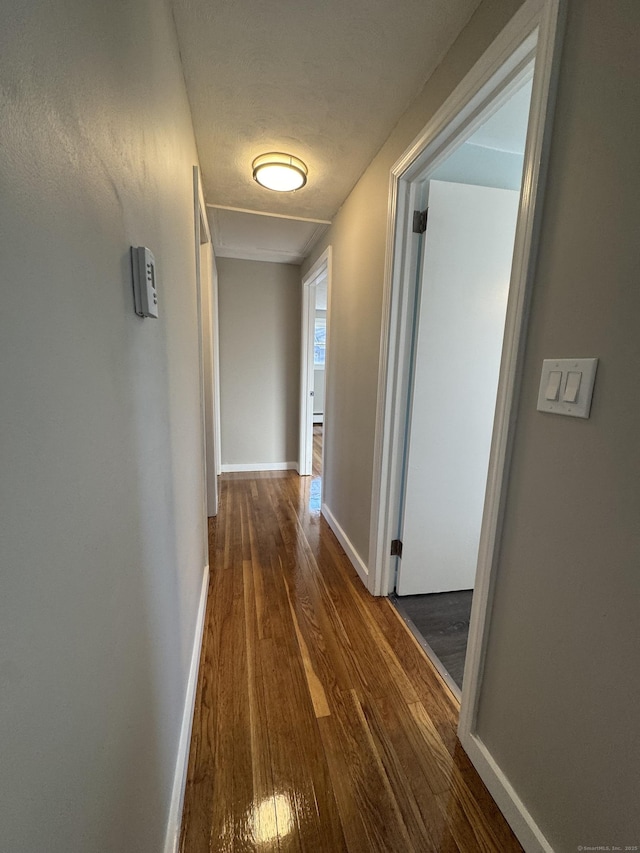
(206, 287)
(322, 265)
(534, 31)
(215, 353)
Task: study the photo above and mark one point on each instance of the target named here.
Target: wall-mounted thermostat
(145, 293)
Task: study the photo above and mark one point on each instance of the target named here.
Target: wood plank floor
(320, 724)
(317, 449)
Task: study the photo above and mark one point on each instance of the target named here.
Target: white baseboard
(524, 826)
(172, 837)
(235, 467)
(356, 560)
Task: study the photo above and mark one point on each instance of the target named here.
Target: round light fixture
(283, 173)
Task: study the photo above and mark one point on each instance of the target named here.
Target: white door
(466, 268)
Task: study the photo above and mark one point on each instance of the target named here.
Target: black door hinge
(396, 548)
(420, 221)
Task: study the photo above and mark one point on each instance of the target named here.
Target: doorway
(316, 287)
(471, 202)
(533, 37)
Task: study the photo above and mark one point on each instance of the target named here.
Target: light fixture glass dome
(283, 173)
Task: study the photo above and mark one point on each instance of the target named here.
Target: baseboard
(356, 560)
(172, 837)
(236, 467)
(524, 826)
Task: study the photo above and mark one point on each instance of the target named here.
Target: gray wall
(101, 532)
(559, 705)
(259, 310)
(358, 236)
(559, 702)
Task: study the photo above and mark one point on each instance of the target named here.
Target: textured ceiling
(325, 80)
(260, 237)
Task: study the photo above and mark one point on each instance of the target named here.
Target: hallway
(319, 723)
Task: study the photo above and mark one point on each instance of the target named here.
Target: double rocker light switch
(566, 386)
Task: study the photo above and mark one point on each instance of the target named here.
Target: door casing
(321, 267)
(534, 33)
(207, 295)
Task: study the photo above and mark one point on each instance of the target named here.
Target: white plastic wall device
(143, 266)
(566, 386)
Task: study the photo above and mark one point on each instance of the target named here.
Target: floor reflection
(315, 495)
(272, 819)
(315, 489)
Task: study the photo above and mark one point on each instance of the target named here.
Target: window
(319, 341)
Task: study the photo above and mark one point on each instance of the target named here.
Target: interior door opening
(313, 397)
(532, 37)
(460, 301)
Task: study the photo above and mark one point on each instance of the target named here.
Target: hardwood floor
(317, 450)
(320, 725)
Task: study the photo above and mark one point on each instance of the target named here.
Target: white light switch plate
(582, 406)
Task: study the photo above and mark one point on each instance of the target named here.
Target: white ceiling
(493, 155)
(325, 80)
(506, 130)
(261, 237)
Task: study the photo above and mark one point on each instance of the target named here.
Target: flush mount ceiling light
(283, 173)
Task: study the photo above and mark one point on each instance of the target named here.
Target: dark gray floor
(443, 621)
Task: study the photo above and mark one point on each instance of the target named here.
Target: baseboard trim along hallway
(172, 836)
(356, 560)
(237, 467)
(320, 725)
(504, 794)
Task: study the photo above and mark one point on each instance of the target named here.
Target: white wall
(259, 309)
(101, 529)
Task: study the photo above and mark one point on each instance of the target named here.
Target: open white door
(466, 268)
